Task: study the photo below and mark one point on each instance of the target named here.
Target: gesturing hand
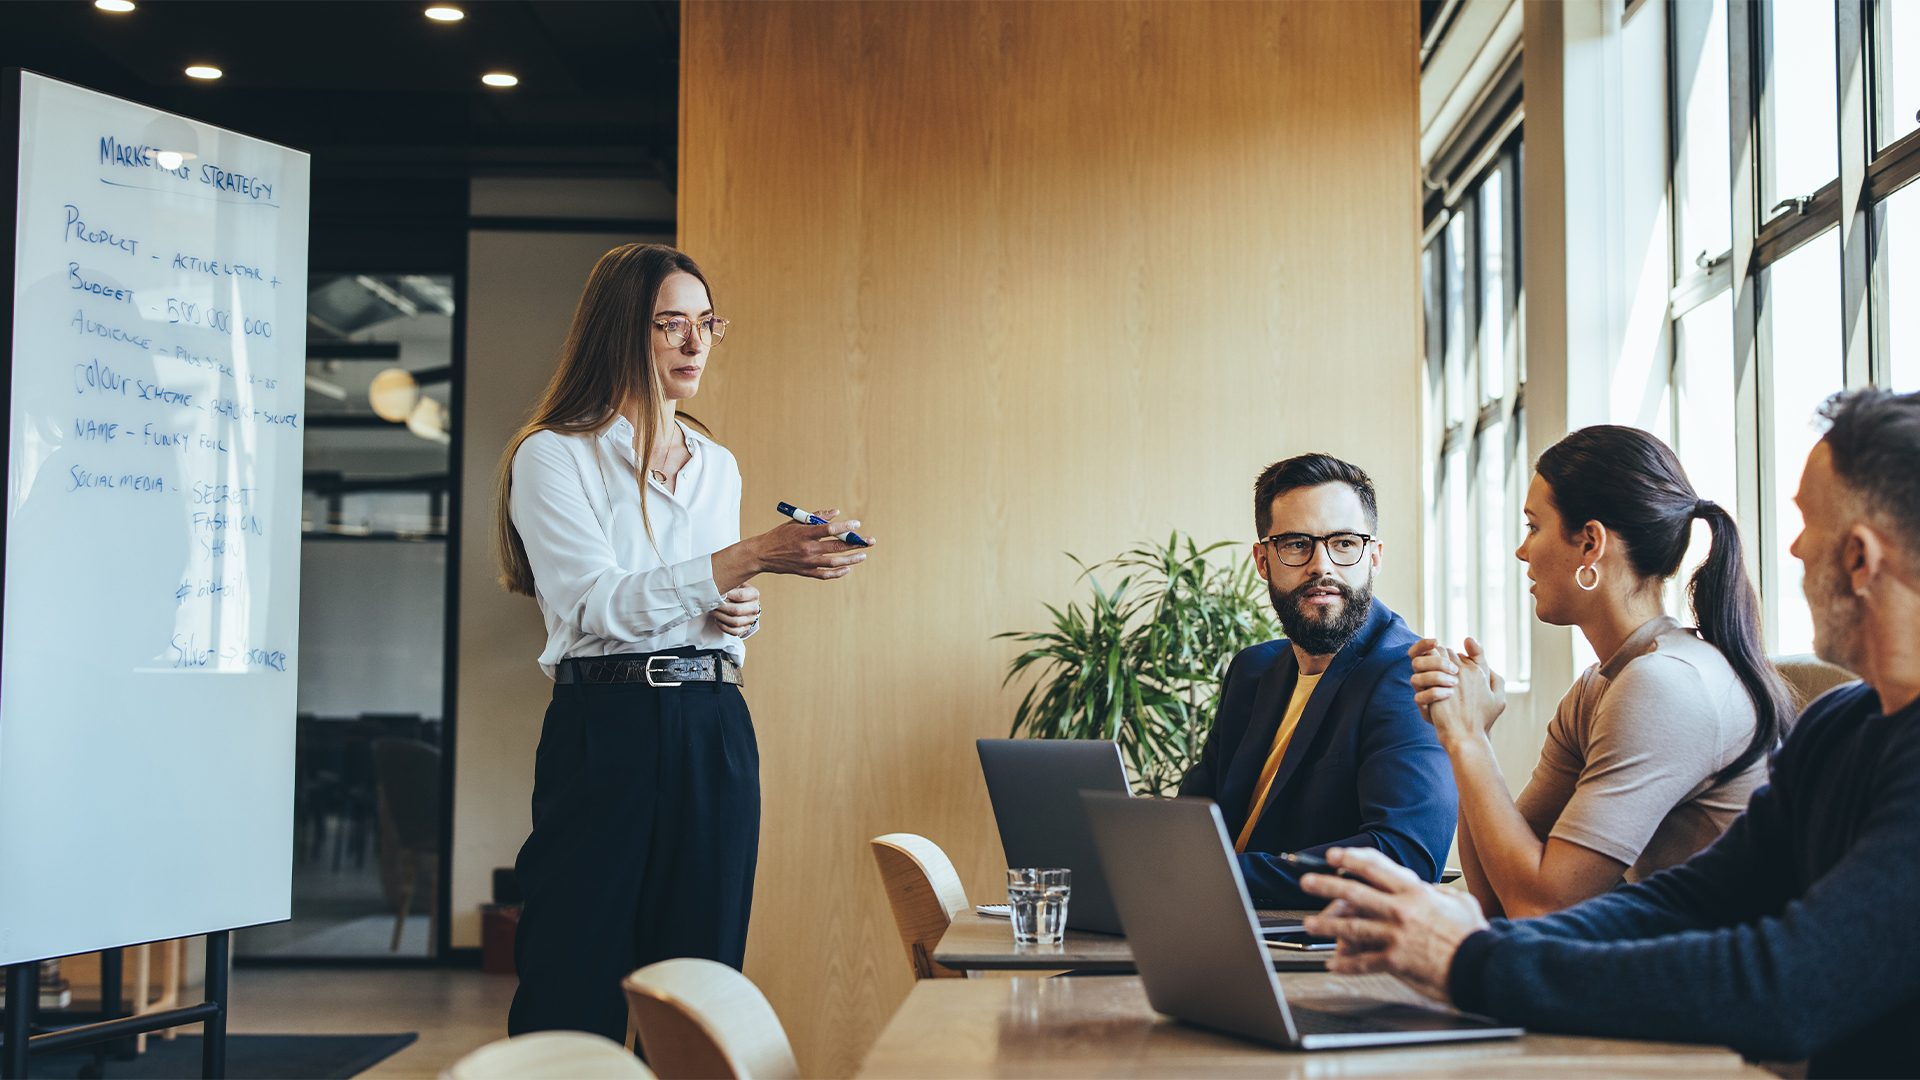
(810, 550)
(1387, 919)
(1458, 692)
(738, 611)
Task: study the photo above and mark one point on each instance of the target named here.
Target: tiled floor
(453, 1011)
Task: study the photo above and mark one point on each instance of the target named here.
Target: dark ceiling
(387, 101)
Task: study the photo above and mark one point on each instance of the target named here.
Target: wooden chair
(701, 1020)
(1808, 676)
(550, 1055)
(925, 893)
(408, 792)
(173, 973)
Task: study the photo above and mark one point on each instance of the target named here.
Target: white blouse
(601, 585)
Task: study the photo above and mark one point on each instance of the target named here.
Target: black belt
(660, 669)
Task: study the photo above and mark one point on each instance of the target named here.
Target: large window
(1790, 243)
(1475, 429)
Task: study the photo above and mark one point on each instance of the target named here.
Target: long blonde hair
(606, 362)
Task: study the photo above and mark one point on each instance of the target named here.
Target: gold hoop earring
(1596, 577)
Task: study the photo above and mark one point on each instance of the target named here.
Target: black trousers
(646, 828)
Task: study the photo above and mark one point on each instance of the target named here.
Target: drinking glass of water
(1038, 898)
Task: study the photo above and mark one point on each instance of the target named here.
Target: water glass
(1038, 898)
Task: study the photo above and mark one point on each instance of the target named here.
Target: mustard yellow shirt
(1302, 691)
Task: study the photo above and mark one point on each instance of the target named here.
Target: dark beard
(1318, 634)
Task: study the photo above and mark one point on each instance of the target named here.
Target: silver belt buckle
(649, 670)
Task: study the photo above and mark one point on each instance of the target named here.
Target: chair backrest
(1808, 676)
(701, 1020)
(925, 893)
(550, 1055)
(409, 773)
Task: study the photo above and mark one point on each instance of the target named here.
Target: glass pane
(1703, 422)
(1803, 312)
(1459, 544)
(1432, 263)
(1700, 96)
(1803, 148)
(1519, 601)
(1899, 232)
(1457, 409)
(1433, 311)
(1704, 412)
(1897, 77)
(1494, 630)
(1493, 290)
(373, 571)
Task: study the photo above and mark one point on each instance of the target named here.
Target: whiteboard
(152, 531)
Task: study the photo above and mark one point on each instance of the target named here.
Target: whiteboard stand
(23, 989)
(149, 542)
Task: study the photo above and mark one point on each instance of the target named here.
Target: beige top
(1629, 764)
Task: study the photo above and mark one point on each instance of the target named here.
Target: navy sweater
(1796, 934)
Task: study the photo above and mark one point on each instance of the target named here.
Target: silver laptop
(1196, 942)
(1035, 785)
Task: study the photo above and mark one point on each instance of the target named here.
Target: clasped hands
(1387, 919)
(1459, 693)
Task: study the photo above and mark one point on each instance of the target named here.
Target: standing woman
(624, 524)
(1655, 749)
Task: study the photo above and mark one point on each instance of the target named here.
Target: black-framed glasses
(1296, 549)
(677, 327)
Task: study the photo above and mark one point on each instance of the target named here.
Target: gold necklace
(660, 474)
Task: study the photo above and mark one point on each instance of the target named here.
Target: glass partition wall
(372, 621)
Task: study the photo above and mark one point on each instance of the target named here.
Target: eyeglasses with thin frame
(677, 327)
(1296, 549)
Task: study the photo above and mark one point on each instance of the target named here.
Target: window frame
(1764, 235)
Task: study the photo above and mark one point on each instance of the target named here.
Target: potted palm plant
(1142, 662)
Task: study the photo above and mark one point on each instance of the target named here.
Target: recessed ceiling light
(499, 78)
(118, 6)
(443, 13)
(204, 71)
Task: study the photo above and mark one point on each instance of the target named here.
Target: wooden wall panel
(1009, 280)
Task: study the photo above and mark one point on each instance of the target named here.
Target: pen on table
(1312, 863)
(804, 518)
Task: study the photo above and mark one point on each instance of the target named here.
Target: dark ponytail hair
(1633, 484)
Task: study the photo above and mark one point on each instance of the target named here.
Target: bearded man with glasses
(1318, 742)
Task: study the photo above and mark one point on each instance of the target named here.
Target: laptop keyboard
(1315, 1022)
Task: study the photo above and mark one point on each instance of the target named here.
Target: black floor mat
(249, 1057)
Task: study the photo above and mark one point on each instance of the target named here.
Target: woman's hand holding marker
(804, 518)
(823, 548)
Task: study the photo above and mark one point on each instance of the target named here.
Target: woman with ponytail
(1656, 748)
(623, 523)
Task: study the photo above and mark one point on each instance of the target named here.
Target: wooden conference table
(1103, 1026)
(984, 943)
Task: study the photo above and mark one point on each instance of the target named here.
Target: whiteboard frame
(12, 102)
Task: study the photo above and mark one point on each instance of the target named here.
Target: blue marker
(804, 518)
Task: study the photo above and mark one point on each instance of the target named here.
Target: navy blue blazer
(1363, 768)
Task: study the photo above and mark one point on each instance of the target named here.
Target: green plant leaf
(1141, 663)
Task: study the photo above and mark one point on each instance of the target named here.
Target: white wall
(521, 292)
